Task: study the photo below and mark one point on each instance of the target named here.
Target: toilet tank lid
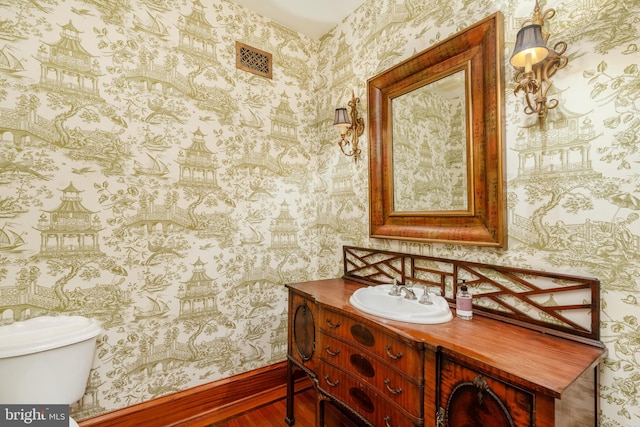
(44, 333)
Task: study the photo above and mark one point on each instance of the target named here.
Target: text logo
(34, 415)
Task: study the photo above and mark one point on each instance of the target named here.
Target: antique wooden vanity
(529, 356)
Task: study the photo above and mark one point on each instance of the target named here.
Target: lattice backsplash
(554, 303)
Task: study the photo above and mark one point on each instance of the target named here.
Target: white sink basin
(376, 300)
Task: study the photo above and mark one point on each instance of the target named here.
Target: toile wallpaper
(147, 182)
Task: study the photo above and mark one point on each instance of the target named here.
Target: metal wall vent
(253, 60)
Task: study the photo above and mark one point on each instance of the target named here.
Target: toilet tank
(46, 360)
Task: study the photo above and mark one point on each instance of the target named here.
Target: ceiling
(311, 17)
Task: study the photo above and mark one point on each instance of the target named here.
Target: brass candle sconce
(351, 128)
(535, 63)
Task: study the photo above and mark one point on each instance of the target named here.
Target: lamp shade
(342, 118)
(529, 41)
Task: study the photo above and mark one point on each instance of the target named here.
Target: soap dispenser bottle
(464, 303)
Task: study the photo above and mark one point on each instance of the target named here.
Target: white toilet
(47, 360)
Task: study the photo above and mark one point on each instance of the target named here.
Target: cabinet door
(470, 398)
(302, 331)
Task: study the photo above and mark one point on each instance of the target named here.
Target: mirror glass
(430, 147)
(436, 142)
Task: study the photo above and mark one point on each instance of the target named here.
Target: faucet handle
(426, 297)
(395, 289)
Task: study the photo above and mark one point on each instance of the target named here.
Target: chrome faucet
(409, 293)
(397, 288)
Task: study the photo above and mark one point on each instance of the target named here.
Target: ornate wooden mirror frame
(478, 50)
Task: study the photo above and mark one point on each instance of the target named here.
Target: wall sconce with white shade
(535, 63)
(351, 128)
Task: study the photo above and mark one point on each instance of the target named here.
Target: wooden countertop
(542, 363)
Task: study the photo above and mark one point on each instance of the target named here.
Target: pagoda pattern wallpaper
(149, 183)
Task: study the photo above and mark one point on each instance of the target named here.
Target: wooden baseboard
(206, 404)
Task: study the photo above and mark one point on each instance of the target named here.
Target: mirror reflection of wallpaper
(429, 147)
(185, 267)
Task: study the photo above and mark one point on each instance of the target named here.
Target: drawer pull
(391, 355)
(332, 384)
(391, 390)
(387, 421)
(332, 353)
(331, 325)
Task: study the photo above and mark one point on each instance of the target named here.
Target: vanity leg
(290, 418)
(320, 400)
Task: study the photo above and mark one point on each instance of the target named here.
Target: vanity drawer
(404, 391)
(365, 400)
(395, 352)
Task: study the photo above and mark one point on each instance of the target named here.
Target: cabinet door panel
(302, 331)
(471, 399)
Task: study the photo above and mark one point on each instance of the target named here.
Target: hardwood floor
(273, 415)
